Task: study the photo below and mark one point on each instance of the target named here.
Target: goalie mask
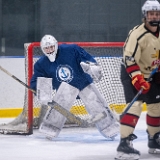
(151, 5)
(49, 46)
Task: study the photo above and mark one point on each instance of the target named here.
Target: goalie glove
(44, 90)
(93, 69)
(139, 82)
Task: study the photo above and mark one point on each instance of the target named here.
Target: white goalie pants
(94, 103)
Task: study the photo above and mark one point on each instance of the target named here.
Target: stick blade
(98, 117)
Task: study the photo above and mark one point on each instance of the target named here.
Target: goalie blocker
(53, 121)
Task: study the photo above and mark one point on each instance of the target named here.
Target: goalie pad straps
(95, 103)
(53, 120)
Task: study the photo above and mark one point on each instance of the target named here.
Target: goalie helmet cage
(107, 54)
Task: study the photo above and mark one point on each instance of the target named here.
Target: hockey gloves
(139, 82)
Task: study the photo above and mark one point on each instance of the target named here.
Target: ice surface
(72, 144)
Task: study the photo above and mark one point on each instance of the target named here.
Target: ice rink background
(72, 144)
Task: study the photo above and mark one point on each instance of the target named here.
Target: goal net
(107, 54)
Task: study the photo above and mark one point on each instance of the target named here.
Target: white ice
(72, 144)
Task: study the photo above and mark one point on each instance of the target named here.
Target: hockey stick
(63, 111)
(4, 70)
(138, 94)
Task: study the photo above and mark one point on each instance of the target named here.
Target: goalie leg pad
(53, 121)
(95, 103)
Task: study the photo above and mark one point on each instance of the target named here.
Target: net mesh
(108, 56)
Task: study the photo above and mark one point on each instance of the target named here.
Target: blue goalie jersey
(66, 67)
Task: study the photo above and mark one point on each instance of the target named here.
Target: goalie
(71, 71)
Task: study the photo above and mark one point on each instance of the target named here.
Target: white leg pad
(53, 121)
(95, 103)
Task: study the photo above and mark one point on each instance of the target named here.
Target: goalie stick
(60, 109)
(138, 94)
(77, 120)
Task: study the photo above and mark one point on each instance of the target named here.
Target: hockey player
(141, 56)
(73, 71)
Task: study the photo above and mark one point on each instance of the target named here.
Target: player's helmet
(151, 5)
(49, 46)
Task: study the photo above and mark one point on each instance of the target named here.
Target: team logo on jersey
(156, 55)
(64, 73)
